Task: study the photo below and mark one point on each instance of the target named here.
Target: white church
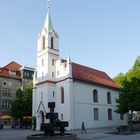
(81, 94)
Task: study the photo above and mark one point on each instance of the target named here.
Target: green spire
(48, 22)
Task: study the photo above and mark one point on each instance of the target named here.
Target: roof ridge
(89, 67)
(11, 63)
(95, 70)
(92, 75)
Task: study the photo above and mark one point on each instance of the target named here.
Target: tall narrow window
(52, 43)
(42, 62)
(43, 42)
(52, 74)
(62, 95)
(6, 104)
(96, 114)
(95, 95)
(61, 117)
(109, 114)
(109, 98)
(122, 116)
(53, 93)
(58, 73)
(52, 62)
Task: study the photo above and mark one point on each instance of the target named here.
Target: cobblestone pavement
(102, 134)
(94, 134)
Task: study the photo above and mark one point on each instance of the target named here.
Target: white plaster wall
(62, 68)
(42, 69)
(83, 106)
(47, 55)
(34, 102)
(63, 108)
(37, 99)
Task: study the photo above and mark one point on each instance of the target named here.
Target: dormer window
(52, 43)
(12, 73)
(43, 42)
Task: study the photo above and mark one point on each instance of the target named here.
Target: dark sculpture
(55, 123)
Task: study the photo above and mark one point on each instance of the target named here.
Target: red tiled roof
(87, 74)
(4, 71)
(13, 66)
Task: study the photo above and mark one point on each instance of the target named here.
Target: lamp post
(130, 112)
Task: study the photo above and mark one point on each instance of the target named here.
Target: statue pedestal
(56, 137)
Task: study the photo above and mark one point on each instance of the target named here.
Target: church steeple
(48, 50)
(48, 22)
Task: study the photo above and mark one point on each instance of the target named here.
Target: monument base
(67, 136)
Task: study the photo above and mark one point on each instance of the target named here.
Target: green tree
(130, 94)
(22, 105)
(135, 70)
(137, 63)
(28, 99)
(17, 106)
(119, 78)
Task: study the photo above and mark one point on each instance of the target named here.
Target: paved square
(94, 134)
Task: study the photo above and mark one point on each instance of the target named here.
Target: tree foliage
(28, 99)
(119, 78)
(22, 105)
(130, 94)
(17, 106)
(137, 63)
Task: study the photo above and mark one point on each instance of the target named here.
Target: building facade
(13, 76)
(81, 94)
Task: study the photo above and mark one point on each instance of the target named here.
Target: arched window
(43, 42)
(52, 43)
(108, 97)
(95, 95)
(62, 95)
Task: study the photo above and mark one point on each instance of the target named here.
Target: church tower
(48, 51)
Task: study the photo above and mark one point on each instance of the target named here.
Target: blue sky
(103, 34)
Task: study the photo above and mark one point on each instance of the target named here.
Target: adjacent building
(81, 94)
(13, 76)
